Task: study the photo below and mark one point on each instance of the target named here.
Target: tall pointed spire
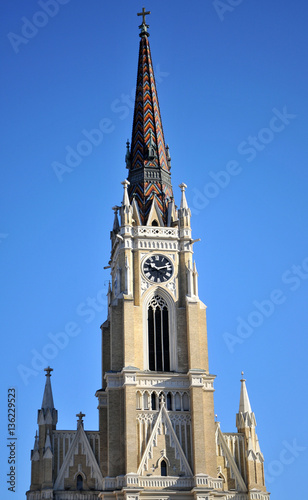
(148, 160)
(244, 399)
(245, 418)
(47, 397)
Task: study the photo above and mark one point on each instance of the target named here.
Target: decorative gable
(164, 455)
(79, 461)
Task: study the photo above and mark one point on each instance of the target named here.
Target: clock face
(158, 268)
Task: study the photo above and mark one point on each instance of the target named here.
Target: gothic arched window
(185, 402)
(163, 468)
(158, 335)
(169, 401)
(153, 401)
(79, 482)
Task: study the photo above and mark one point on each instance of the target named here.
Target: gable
(164, 446)
(79, 460)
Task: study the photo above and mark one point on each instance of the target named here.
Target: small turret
(245, 417)
(47, 415)
(126, 208)
(42, 453)
(246, 424)
(184, 210)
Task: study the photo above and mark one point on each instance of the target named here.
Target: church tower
(157, 434)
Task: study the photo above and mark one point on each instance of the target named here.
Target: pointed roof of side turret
(244, 399)
(148, 158)
(245, 416)
(47, 397)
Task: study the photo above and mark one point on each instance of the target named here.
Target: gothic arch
(161, 292)
(163, 463)
(80, 473)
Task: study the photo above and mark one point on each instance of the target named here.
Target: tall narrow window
(153, 401)
(185, 402)
(79, 482)
(177, 402)
(169, 401)
(158, 335)
(163, 468)
(145, 401)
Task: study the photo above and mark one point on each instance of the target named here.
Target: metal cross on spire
(48, 371)
(143, 14)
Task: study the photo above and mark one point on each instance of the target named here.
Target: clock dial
(158, 268)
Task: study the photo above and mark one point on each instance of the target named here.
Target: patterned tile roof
(148, 159)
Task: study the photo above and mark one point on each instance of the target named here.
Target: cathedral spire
(148, 160)
(47, 397)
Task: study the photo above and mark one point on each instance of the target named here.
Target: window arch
(158, 335)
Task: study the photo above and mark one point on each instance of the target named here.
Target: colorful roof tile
(148, 158)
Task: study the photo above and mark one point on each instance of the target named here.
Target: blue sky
(232, 86)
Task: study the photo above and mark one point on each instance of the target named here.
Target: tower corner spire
(184, 210)
(48, 397)
(126, 208)
(47, 414)
(245, 406)
(245, 418)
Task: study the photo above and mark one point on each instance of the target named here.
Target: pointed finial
(125, 184)
(127, 155)
(244, 398)
(48, 371)
(116, 226)
(183, 199)
(143, 27)
(47, 397)
(36, 444)
(47, 441)
(168, 156)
